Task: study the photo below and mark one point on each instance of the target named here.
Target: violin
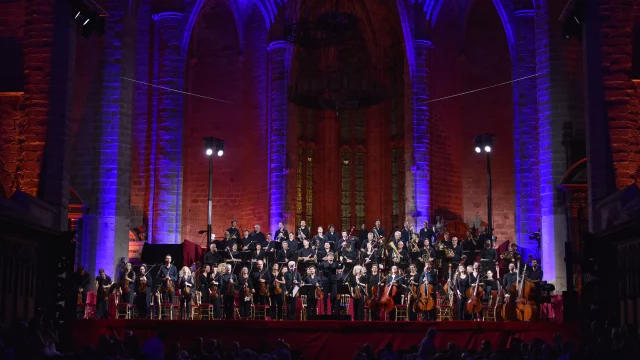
(142, 288)
(262, 287)
(276, 284)
(213, 289)
(126, 288)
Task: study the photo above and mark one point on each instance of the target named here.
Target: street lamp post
(209, 144)
(484, 143)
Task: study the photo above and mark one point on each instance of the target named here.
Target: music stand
(487, 264)
(269, 257)
(246, 258)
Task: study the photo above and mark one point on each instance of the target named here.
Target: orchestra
(292, 273)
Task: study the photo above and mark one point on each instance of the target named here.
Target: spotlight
(483, 142)
(208, 145)
(220, 147)
(89, 16)
(209, 152)
(487, 148)
(478, 150)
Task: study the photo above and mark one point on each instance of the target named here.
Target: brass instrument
(301, 234)
(414, 246)
(395, 256)
(507, 255)
(448, 253)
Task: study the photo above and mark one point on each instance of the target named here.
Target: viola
(276, 287)
(319, 294)
(213, 290)
(143, 284)
(262, 287)
(126, 288)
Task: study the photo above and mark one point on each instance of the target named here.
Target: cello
(386, 301)
(448, 287)
(474, 305)
(509, 307)
(524, 311)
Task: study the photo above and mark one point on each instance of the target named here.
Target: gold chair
(489, 312)
(445, 309)
(123, 310)
(402, 310)
(345, 302)
(303, 308)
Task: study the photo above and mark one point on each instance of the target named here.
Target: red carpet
(325, 339)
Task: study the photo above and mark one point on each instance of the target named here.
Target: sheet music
(295, 290)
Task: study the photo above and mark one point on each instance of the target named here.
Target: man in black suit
(328, 270)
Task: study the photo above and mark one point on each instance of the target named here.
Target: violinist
(245, 295)
(276, 280)
(429, 277)
(203, 280)
(81, 285)
(413, 281)
(292, 280)
(212, 257)
(328, 269)
(103, 282)
(374, 279)
(303, 232)
(461, 283)
(358, 284)
(314, 281)
(260, 281)
(185, 284)
(127, 279)
(306, 256)
(228, 287)
(143, 289)
(285, 254)
(214, 288)
(167, 277)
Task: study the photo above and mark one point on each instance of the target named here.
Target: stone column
(110, 222)
(165, 209)
(419, 186)
(553, 111)
(277, 110)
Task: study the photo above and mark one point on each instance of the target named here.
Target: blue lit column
(420, 136)
(525, 134)
(167, 131)
(277, 110)
(109, 227)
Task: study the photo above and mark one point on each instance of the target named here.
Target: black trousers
(102, 308)
(244, 308)
(358, 308)
(261, 299)
(462, 312)
(292, 305)
(127, 297)
(312, 306)
(142, 304)
(227, 304)
(185, 306)
(217, 307)
(167, 296)
(277, 300)
(330, 292)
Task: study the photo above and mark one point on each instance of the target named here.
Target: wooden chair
(491, 309)
(205, 311)
(261, 312)
(123, 310)
(345, 302)
(402, 310)
(444, 309)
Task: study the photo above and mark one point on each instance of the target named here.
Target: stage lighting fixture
(220, 148)
(478, 150)
(208, 145)
(487, 148)
(89, 16)
(485, 142)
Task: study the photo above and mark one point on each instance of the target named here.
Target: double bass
(509, 307)
(425, 302)
(524, 310)
(448, 288)
(474, 305)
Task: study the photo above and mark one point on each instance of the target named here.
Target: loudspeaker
(330, 317)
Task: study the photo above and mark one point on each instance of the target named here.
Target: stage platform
(325, 339)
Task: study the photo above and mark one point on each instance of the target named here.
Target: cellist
(474, 277)
(413, 280)
(358, 290)
(429, 277)
(373, 280)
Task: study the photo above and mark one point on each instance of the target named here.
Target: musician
(490, 284)
(324, 252)
(276, 280)
(233, 255)
(81, 285)
(303, 231)
(271, 244)
(374, 279)
(185, 284)
(534, 274)
(257, 236)
(429, 277)
(377, 230)
(167, 273)
(245, 242)
(395, 279)
(461, 284)
(414, 246)
(511, 256)
(344, 240)
(285, 254)
(281, 234)
(245, 295)
(510, 278)
(406, 232)
(358, 284)
(489, 253)
(348, 256)
(229, 285)
(319, 240)
(474, 277)
(332, 237)
(426, 232)
(203, 281)
(368, 256)
(328, 270)
(484, 236)
(258, 253)
(413, 281)
(228, 242)
(447, 240)
(469, 244)
(212, 258)
(293, 243)
(457, 251)
(214, 282)
(127, 278)
(292, 279)
(257, 277)
(314, 281)
(403, 259)
(103, 282)
(143, 288)
(234, 233)
(306, 256)
(427, 254)
(363, 234)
